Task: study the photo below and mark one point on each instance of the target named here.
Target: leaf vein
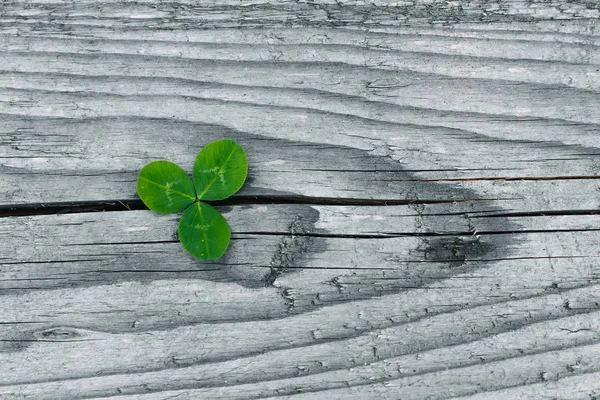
(167, 188)
(205, 241)
(212, 181)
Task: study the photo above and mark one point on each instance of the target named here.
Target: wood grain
(377, 306)
(421, 218)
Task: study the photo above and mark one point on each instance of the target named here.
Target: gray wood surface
(421, 218)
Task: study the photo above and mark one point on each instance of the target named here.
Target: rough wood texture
(421, 219)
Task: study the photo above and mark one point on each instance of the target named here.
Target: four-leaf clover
(219, 171)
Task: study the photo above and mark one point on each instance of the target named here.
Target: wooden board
(305, 292)
(421, 218)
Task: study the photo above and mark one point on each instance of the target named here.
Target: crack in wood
(130, 205)
(498, 178)
(292, 248)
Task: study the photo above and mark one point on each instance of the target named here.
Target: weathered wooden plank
(519, 295)
(409, 100)
(536, 344)
(410, 244)
(85, 166)
(328, 51)
(573, 16)
(573, 388)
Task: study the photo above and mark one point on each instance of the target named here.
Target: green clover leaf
(203, 231)
(220, 171)
(165, 187)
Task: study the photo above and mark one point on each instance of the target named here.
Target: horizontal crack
(538, 213)
(497, 178)
(392, 235)
(17, 210)
(128, 205)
